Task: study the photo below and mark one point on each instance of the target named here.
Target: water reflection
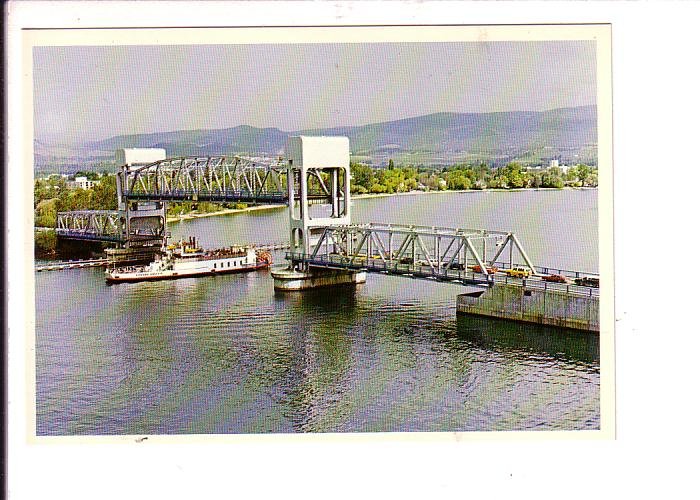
(227, 354)
(503, 335)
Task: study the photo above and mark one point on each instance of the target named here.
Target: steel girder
(100, 225)
(438, 249)
(210, 178)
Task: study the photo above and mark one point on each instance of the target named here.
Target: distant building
(82, 183)
(555, 163)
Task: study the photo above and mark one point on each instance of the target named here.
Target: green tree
(514, 173)
(553, 178)
(361, 175)
(45, 213)
(104, 194)
(591, 179)
(44, 242)
(582, 172)
(377, 188)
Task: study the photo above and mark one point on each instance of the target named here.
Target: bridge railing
(377, 265)
(443, 274)
(98, 225)
(547, 270)
(228, 195)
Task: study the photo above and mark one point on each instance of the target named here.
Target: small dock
(272, 246)
(72, 264)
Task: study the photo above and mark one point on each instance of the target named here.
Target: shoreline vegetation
(45, 237)
(231, 211)
(58, 194)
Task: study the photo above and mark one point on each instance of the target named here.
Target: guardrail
(85, 235)
(464, 277)
(92, 235)
(547, 270)
(230, 195)
(197, 195)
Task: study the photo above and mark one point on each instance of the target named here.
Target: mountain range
(437, 138)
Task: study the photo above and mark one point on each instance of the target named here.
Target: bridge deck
(83, 235)
(456, 276)
(228, 196)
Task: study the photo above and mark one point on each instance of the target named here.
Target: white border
(655, 112)
(147, 36)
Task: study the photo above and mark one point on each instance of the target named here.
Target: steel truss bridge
(210, 178)
(432, 253)
(218, 179)
(101, 225)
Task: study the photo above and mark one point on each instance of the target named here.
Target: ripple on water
(228, 355)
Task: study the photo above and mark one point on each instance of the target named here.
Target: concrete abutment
(540, 306)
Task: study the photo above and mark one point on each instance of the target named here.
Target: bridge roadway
(84, 235)
(447, 275)
(230, 196)
(223, 196)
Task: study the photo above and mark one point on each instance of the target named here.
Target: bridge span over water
(143, 191)
(328, 249)
(468, 257)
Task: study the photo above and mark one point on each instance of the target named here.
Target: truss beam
(435, 250)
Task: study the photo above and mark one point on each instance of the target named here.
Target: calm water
(226, 354)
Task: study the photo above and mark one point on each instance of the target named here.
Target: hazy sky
(97, 92)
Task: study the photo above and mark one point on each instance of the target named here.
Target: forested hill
(475, 132)
(440, 137)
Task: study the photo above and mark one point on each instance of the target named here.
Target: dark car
(554, 278)
(588, 281)
(456, 266)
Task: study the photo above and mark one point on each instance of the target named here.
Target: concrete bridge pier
(321, 164)
(287, 279)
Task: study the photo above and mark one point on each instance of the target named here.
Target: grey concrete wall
(545, 307)
(285, 279)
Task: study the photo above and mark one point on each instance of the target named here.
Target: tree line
(513, 175)
(52, 195)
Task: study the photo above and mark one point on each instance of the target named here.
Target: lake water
(226, 354)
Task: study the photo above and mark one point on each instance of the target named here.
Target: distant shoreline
(225, 211)
(485, 190)
(230, 211)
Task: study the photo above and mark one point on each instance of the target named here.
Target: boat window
(214, 265)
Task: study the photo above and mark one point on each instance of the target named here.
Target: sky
(88, 93)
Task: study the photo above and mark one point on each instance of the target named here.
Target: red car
(490, 270)
(555, 278)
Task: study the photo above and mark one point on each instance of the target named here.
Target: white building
(555, 163)
(82, 183)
